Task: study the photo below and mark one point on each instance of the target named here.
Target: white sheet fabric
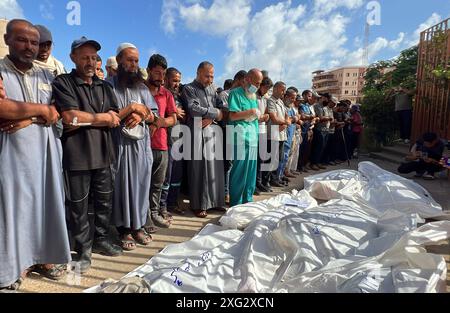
(355, 242)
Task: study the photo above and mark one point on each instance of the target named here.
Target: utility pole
(365, 57)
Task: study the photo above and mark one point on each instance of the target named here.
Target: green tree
(378, 107)
(379, 117)
(405, 74)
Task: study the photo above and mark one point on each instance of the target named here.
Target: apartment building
(343, 83)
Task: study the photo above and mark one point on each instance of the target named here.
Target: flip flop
(151, 229)
(56, 272)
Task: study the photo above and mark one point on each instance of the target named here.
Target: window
(355, 74)
(346, 92)
(348, 74)
(347, 84)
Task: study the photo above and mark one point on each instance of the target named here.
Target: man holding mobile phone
(425, 157)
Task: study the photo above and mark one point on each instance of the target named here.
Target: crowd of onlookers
(86, 156)
(81, 153)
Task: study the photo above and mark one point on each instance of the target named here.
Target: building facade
(3, 47)
(343, 83)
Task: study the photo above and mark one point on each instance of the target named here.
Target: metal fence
(432, 108)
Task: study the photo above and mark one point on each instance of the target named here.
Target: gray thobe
(32, 214)
(133, 169)
(206, 168)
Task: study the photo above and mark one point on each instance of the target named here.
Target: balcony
(324, 78)
(329, 89)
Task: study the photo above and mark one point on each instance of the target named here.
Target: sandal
(50, 271)
(201, 214)
(128, 243)
(151, 229)
(142, 238)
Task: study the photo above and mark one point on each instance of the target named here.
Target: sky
(291, 39)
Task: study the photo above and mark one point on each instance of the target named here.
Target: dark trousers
(302, 156)
(260, 174)
(405, 122)
(159, 169)
(338, 146)
(340, 149)
(267, 177)
(227, 164)
(172, 184)
(419, 167)
(318, 146)
(348, 143)
(328, 154)
(79, 185)
(281, 146)
(355, 139)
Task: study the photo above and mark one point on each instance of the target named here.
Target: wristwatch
(34, 119)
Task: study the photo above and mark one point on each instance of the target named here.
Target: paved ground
(184, 228)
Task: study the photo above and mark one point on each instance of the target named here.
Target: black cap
(84, 41)
(45, 34)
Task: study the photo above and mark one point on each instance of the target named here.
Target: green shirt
(245, 132)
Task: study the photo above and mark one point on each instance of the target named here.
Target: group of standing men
(72, 144)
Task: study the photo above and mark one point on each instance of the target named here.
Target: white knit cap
(112, 62)
(124, 46)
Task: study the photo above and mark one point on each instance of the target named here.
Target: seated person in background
(425, 157)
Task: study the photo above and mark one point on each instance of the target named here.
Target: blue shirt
(293, 127)
(306, 109)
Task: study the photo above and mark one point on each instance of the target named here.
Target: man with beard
(32, 214)
(289, 99)
(205, 167)
(44, 58)
(308, 118)
(238, 81)
(277, 134)
(292, 163)
(244, 116)
(263, 156)
(134, 157)
(89, 110)
(174, 176)
(167, 117)
(321, 132)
